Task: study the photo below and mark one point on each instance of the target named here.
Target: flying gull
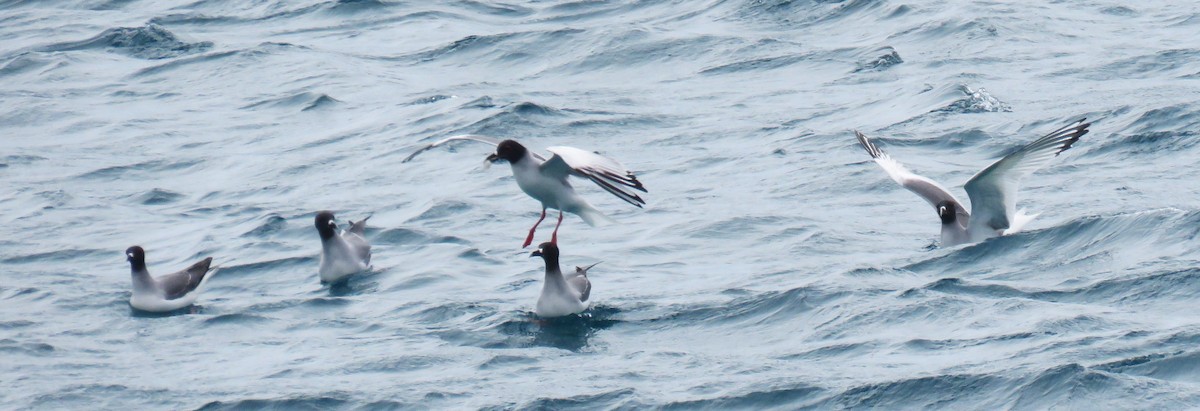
(546, 179)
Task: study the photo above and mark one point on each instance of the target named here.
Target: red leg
(554, 237)
(529, 239)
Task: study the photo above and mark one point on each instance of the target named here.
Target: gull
(561, 294)
(345, 254)
(168, 292)
(546, 179)
(992, 191)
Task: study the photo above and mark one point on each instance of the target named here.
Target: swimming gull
(168, 292)
(344, 254)
(561, 294)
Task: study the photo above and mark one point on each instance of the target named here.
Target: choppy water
(774, 266)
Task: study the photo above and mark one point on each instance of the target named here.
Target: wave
(619, 398)
(138, 170)
(793, 13)
(150, 42)
(938, 391)
(794, 397)
(59, 256)
(1178, 63)
(305, 101)
(303, 402)
(272, 224)
(157, 196)
(759, 309)
(250, 320)
(14, 347)
(975, 101)
(269, 265)
(1080, 241)
(881, 59)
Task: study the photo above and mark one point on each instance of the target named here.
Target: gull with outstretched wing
(993, 191)
(545, 179)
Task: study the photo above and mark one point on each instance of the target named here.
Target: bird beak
(493, 158)
(535, 253)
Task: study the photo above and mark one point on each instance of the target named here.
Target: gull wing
(468, 137)
(580, 282)
(356, 236)
(179, 284)
(993, 191)
(927, 189)
(607, 173)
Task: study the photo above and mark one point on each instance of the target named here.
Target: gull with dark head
(993, 191)
(342, 254)
(546, 179)
(167, 292)
(562, 294)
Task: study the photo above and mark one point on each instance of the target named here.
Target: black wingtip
(1078, 129)
(867, 144)
(202, 265)
(628, 197)
(637, 185)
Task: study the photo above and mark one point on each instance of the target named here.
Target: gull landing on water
(546, 179)
(993, 191)
(168, 292)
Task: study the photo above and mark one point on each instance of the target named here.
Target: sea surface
(775, 265)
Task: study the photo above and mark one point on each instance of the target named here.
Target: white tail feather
(1019, 221)
(594, 217)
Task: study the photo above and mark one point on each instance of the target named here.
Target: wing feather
(993, 191)
(580, 282)
(923, 187)
(607, 173)
(467, 137)
(179, 284)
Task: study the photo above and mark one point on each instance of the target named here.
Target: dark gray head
(325, 225)
(548, 252)
(947, 212)
(136, 257)
(509, 150)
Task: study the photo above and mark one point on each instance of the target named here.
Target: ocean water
(775, 265)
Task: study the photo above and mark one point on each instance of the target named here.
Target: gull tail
(212, 271)
(594, 217)
(359, 227)
(583, 270)
(1019, 220)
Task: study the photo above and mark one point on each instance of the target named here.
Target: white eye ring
(130, 255)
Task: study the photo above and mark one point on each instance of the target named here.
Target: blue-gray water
(775, 265)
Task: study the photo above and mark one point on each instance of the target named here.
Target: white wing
(993, 191)
(607, 173)
(470, 137)
(927, 189)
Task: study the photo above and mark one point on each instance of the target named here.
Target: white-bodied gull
(993, 191)
(167, 292)
(561, 294)
(344, 254)
(546, 179)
